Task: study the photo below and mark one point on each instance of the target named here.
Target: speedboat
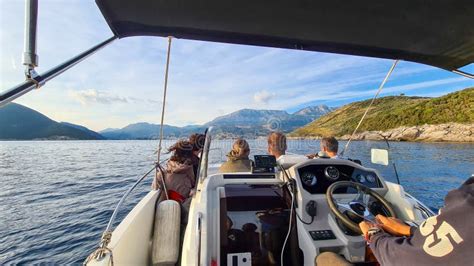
(273, 215)
(286, 211)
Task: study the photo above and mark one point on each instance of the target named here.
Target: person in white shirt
(277, 144)
(329, 147)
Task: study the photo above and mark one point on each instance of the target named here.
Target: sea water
(56, 197)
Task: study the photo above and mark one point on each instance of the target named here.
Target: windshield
(217, 147)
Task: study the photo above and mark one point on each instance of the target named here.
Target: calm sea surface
(56, 196)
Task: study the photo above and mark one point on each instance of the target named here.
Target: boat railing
(107, 234)
(425, 211)
(205, 155)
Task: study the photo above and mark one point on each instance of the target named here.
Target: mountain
(108, 130)
(244, 123)
(315, 111)
(251, 122)
(394, 112)
(18, 122)
(84, 129)
(147, 131)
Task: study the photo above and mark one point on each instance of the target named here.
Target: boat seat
(330, 259)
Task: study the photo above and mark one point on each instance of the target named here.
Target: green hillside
(18, 122)
(392, 112)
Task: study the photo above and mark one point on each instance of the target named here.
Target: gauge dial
(371, 178)
(309, 179)
(331, 173)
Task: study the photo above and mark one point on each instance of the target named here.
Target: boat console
(321, 229)
(253, 211)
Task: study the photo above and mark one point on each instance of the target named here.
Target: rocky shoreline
(449, 132)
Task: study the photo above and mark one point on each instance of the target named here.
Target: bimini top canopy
(438, 33)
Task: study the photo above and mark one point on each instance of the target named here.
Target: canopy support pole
(30, 58)
(39, 80)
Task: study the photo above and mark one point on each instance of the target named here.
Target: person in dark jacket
(179, 176)
(238, 158)
(444, 239)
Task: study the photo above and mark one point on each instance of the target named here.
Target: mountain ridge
(18, 122)
(245, 122)
(388, 113)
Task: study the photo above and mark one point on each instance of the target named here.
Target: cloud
(263, 96)
(334, 93)
(93, 96)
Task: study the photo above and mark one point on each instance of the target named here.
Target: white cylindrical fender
(166, 235)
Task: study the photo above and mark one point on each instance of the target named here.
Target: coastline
(442, 133)
(448, 132)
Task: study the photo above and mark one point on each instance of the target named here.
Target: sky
(123, 83)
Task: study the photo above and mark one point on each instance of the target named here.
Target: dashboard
(317, 178)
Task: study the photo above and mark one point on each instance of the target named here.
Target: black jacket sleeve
(444, 239)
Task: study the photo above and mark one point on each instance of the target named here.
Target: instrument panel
(317, 178)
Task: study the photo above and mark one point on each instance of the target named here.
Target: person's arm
(443, 239)
(393, 250)
(389, 239)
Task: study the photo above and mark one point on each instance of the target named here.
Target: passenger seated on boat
(179, 176)
(276, 144)
(277, 147)
(444, 239)
(197, 141)
(329, 147)
(238, 158)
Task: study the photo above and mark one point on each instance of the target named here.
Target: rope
(102, 250)
(370, 105)
(165, 89)
(164, 96)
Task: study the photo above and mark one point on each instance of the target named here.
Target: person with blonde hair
(238, 158)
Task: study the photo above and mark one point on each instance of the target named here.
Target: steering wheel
(357, 206)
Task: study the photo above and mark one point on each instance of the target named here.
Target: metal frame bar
(36, 82)
(462, 73)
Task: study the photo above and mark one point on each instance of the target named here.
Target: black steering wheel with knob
(357, 206)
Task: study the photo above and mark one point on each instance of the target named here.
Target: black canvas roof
(434, 32)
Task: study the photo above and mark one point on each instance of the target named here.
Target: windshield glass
(217, 147)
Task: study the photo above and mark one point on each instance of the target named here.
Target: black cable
(301, 220)
(292, 188)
